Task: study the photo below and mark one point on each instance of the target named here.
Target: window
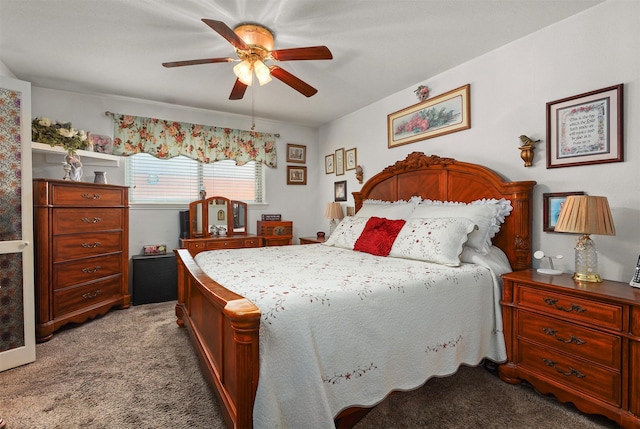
(179, 180)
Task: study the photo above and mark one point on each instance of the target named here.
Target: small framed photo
(296, 175)
(154, 249)
(551, 206)
(339, 162)
(586, 128)
(351, 159)
(340, 191)
(329, 164)
(296, 153)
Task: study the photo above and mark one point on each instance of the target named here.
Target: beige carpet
(135, 369)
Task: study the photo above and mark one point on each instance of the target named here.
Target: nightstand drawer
(67, 221)
(583, 342)
(572, 308)
(594, 380)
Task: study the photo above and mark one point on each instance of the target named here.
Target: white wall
(509, 91)
(158, 224)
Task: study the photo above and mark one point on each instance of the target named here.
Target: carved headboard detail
(446, 179)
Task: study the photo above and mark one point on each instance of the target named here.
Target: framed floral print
(444, 114)
(586, 128)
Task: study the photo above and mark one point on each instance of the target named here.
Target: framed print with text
(586, 128)
(339, 162)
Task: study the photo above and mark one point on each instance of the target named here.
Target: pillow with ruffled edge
(488, 215)
(438, 240)
(378, 235)
(389, 210)
(347, 232)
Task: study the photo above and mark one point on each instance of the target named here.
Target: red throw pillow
(378, 235)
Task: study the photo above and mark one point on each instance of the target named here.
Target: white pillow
(438, 240)
(347, 232)
(389, 210)
(488, 215)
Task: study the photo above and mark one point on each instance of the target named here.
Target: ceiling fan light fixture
(243, 72)
(262, 72)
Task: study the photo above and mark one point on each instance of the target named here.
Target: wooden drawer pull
(91, 197)
(94, 220)
(91, 245)
(569, 373)
(571, 339)
(91, 295)
(574, 307)
(91, 270)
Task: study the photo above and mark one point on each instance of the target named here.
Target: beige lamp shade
(333, 211)
(586, 214)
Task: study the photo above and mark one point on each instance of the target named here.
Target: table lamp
(585, 214)
(333, 212)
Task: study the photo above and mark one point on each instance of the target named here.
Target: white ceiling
(379, 47)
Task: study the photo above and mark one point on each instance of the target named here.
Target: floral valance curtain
(167, 139)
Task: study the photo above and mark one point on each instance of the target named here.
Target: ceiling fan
(254, 44)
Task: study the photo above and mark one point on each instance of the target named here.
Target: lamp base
(591, 277)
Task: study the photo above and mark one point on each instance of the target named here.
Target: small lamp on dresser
(586, 214)
(333, 213)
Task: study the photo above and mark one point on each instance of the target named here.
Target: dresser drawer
(225, 244)
(79, 195)
(277, 241)
(572, 308)
(84, 270)
(252, 242)
(594, 380)
(71, 299)
(66, 247)
(67, 221)
(587, 343)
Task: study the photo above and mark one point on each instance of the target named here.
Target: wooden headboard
(446, 179)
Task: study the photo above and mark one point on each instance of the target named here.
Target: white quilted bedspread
(341, 328)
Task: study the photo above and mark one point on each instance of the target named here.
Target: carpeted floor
(135, 369)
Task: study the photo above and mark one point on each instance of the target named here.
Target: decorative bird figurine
(526, 141)
(526, 150)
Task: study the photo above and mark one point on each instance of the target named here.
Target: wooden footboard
(224, 330)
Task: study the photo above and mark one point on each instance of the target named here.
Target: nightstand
(576, 340)
(311, 240)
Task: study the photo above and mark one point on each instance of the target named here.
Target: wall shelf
(55, 155)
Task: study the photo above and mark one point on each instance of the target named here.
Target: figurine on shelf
(75, 173)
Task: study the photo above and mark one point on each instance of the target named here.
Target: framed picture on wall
(351, 159)
(551, 206)
(296, 153)
(296, 175)
(340, 191)
(586, 128)
(329, 164)
(339, 162)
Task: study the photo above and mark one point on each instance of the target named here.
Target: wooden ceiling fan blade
(225, 31)
(294, 82)
(196, 62)
(309, 53)
(238, 90)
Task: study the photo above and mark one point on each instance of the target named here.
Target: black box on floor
(155, 278)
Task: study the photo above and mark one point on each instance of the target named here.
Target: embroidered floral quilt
(341, 328)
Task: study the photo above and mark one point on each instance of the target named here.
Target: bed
(362, 335)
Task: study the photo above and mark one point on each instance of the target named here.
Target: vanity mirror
(217, 216)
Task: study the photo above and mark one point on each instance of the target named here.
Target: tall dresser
(81, 252)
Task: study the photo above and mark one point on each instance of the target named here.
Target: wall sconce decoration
(359, 173)
(526, 150)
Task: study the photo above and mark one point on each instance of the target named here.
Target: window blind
(180, 180)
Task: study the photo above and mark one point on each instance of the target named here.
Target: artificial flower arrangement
(422, 92)
(58, 134)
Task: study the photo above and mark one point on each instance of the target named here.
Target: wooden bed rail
(224, 327)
